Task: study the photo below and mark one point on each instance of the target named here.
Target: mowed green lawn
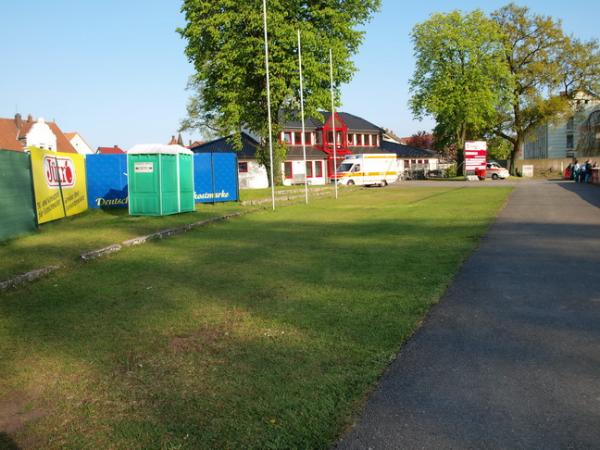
(61, 242)
(263, 332)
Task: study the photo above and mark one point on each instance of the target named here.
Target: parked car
(495, 171)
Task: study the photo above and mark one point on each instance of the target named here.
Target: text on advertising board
(59, 172)
(475, 155)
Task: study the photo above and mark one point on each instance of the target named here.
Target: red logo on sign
(59, 171)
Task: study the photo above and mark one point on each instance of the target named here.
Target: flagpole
(302, 114)
(333, 121)
(269, 101)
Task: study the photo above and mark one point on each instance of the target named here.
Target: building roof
(8, 135)
(354, 123)
(70, 135)
(115, 150)
(224, 145)
(406, 151)
(12, 137)
(295, 152)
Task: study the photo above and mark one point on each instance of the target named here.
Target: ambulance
(367, 170)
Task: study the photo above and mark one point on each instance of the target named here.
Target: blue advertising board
(107, 181)
(215, 177)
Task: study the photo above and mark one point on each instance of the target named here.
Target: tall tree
(225, 44)
(547, 68)
(460, 76)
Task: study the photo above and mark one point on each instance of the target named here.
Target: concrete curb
(162, 234)
(313, 193)
(139, 240)
(27, 277)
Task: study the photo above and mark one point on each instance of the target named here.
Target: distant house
(176, 141)
(18, 134)
(79, 143)
(114, 150)
(562, 139)
(354, 135)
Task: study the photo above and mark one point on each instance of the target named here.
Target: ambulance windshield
(345, 167)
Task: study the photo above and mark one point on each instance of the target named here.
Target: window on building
(243, 167)
(309, 169)
(319, 169)
(287, 169)
(413, 161)
(298, 138)
(338, 138)
(570, 124)
(406, 163)
(570, 141)
(330, 137)
(287, 137)
(319, 135)
(308, 138)
(365, 140)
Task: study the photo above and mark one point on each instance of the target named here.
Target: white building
(18, 134)
(79, 143)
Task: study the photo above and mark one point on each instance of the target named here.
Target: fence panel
(59, 184)
(17, 213)
(215, 177)
(107, 181)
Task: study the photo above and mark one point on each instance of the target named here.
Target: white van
(367, 170)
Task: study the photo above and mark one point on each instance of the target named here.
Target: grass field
(263, 332)
(61, 242)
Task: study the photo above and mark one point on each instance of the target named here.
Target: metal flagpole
(333, 121)
(302, 114)
(269, 101)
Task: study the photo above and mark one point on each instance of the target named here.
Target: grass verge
(61, 242)
(264, 332)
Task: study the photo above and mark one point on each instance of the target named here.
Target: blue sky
(115, 70)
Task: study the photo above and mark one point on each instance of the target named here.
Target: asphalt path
(510, 358)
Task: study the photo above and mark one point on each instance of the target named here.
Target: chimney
(179, 140)
(116, 146)
(18, 121)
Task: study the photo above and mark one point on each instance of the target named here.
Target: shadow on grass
(7, 443)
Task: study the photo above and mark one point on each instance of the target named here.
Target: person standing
(575, 172)
(588, 171)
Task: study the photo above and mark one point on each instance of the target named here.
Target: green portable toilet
(161, 180)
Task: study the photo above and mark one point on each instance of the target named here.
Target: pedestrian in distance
(575, 172)
(588, 171)
(582, 172)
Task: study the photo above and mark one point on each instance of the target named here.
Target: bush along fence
(17, 213)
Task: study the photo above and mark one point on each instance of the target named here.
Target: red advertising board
(475, 155)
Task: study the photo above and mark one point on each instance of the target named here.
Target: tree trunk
(514, 154)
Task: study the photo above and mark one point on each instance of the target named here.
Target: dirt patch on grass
(16, 410)
(200, 340)
(208, 337)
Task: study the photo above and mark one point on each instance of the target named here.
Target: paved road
(510, 358)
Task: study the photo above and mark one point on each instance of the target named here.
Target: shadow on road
(588, 192)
